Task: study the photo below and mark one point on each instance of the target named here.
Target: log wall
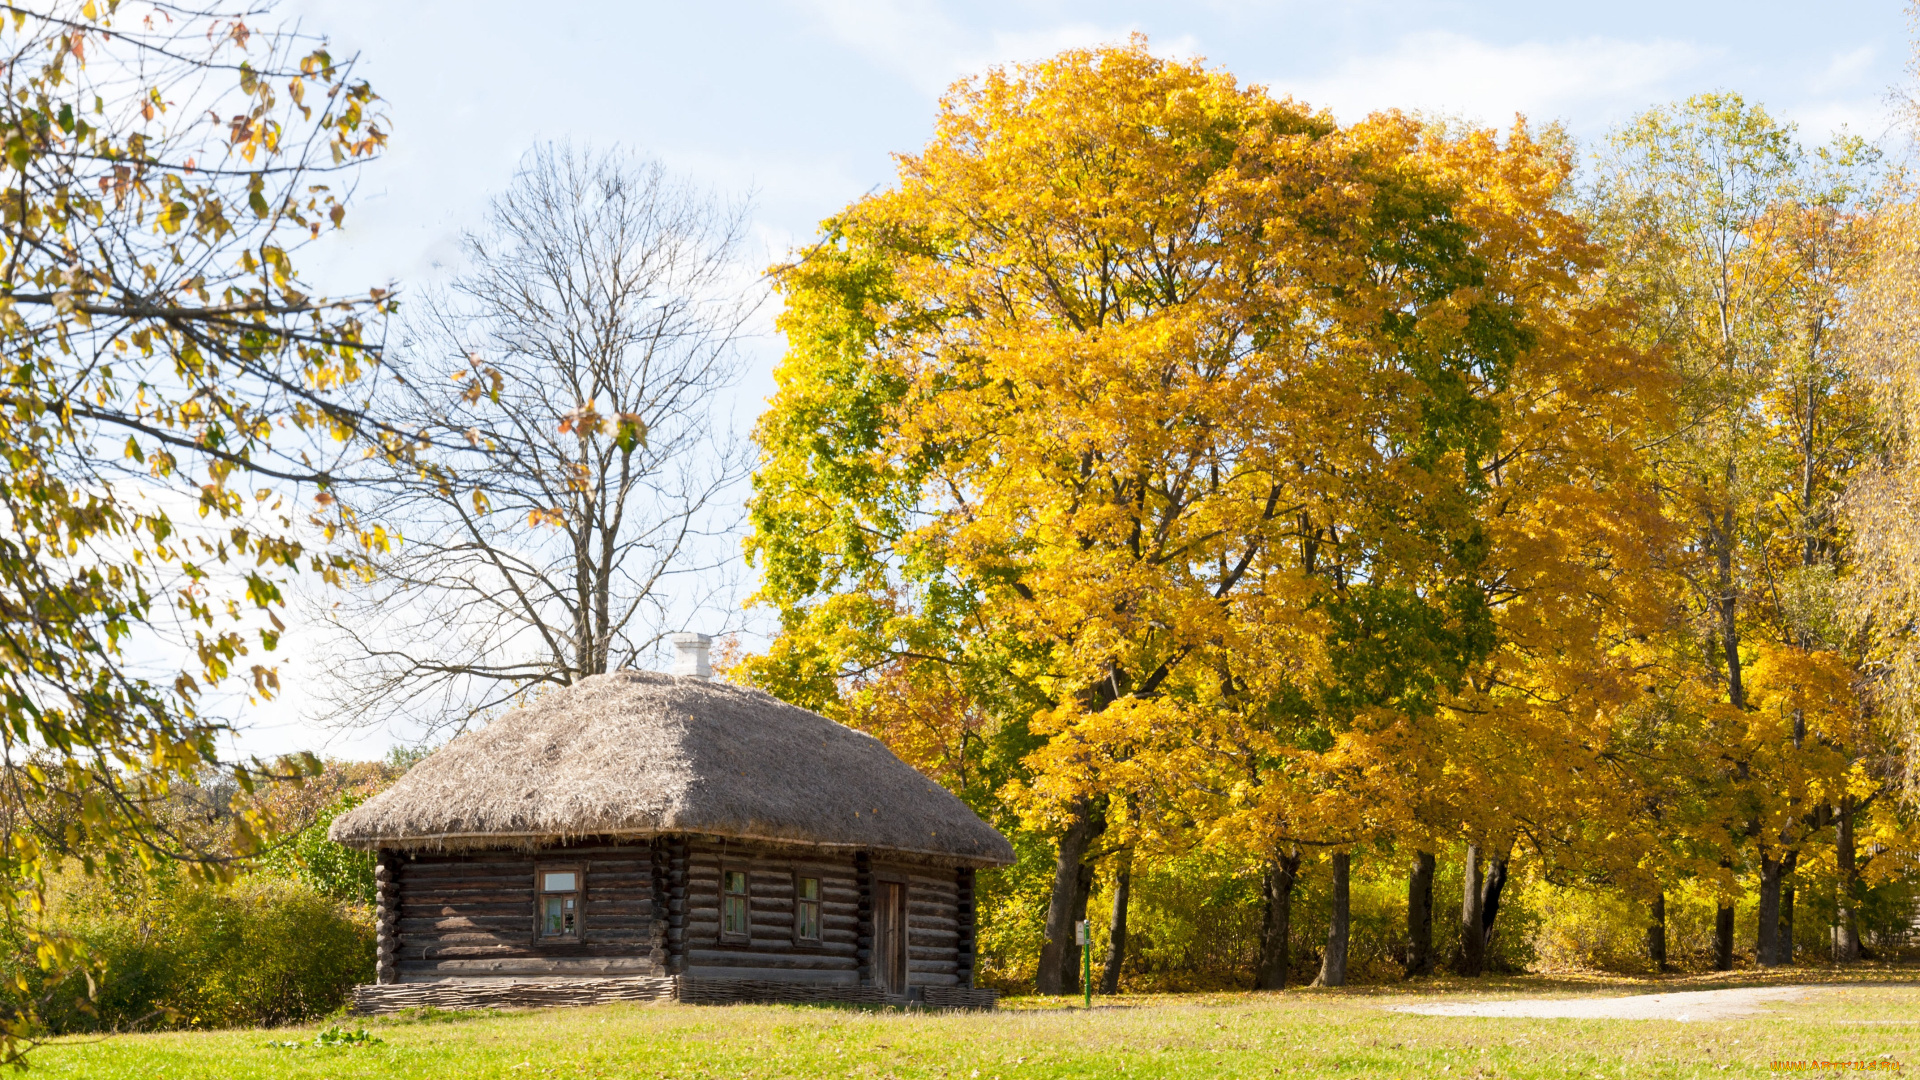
(652, 910)
(933, 928)
(770, 951)
(472, 915)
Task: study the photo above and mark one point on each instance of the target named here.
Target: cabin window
(806, 909)
(733, 905)
(559, 893)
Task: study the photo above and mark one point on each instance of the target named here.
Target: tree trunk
(1728, 601)
(1278, 882)
(1472, 956)
(1333, 963)
(1117, 929)
(1657, 932)
(1766, 946)
(1490, 892)
(1723, 937)
(1846, 930)
(1059, 955)
(1420, 915)
(1786, 906)
(1072, 961)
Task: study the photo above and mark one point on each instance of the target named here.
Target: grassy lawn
(1865, 1015)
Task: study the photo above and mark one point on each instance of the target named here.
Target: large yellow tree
(1164, 421)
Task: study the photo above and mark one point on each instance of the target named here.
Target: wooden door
(890, 937)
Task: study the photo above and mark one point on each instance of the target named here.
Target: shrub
(1192, 924)
(1012, 906)
(170, 952)
(1593, 927)
(332, 869)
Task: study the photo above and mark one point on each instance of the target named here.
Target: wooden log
(964, 916)
(624, 884)
(470, 872)
(520, 893)
(863, 930)
(661, 951)
(442, 878)
(729, 958)
(721, 991)
(623, 907)
(489, 903)
(843, 976)
(475, 950)
(437, 925)
(386, 873)
(777, 946)
(677, 905)
(592, 920)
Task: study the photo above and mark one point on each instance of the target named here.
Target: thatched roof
(637, 753)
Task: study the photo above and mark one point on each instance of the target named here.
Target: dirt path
(1685, 1005)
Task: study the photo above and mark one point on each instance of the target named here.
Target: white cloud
(1846, 71)
(916, 40)
(1450, 73)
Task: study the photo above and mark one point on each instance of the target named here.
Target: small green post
(1086, 962)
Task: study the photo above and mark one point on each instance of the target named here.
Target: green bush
(1193, 923)
(1012, 906)
(332, 869)
(169, 952)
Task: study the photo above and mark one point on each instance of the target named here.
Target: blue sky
(805, 101)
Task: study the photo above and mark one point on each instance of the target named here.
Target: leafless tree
(575, 488)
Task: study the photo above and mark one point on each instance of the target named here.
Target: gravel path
(1685, 1005)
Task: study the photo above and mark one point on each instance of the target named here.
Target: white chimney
(690, 655)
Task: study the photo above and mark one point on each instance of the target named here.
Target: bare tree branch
(574, 487)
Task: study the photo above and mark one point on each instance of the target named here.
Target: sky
(802, 103)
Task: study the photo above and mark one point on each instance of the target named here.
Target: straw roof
(636, 753)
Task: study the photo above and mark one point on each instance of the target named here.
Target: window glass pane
(558, 883)
(809, 888)
(733, 915)
(557, 917)
(736, 881)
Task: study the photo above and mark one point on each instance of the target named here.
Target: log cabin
(640, 835)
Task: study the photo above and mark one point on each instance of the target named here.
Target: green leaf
(630, 434)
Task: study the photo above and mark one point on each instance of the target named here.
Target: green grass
(1295, 1033)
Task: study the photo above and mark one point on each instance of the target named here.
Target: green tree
(1737, 247)
(166, 384)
